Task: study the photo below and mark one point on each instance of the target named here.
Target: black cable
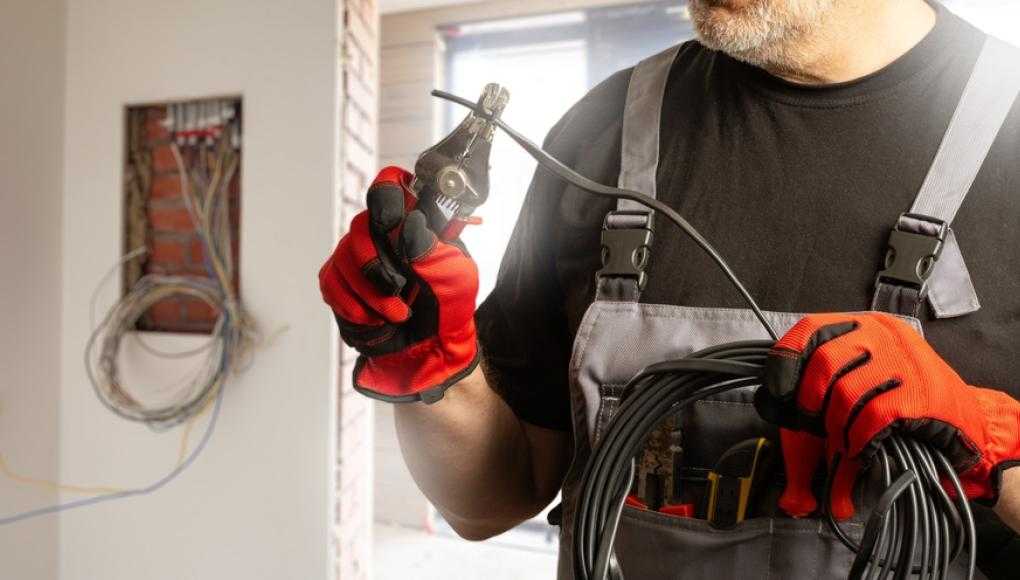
(905, 561)
(926, 503)
(876, 521)
(970, 531)
(881, 569)
(569, 175)
(649, 396)
(605, 553)
(930, 566)
(943, 516)
(603, 472)
(948, 506)
(668, 388)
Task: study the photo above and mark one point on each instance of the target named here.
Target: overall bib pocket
(654, 545)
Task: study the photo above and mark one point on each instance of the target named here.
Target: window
(548, 63)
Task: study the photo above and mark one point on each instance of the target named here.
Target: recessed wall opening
(203, 136)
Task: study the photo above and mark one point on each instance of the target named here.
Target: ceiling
(390, 6)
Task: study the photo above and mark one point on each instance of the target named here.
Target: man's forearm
(483, 468)
(1008, 506)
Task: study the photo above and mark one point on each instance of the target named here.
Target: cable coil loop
(233, 332)
(914, 527)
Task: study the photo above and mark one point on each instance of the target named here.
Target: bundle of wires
(204, 185)
(205, 178)
(914, 527)
(655, 393)
(913, 520)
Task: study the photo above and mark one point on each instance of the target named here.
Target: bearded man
(795, 134)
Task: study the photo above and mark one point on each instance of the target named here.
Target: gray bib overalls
(619, 335)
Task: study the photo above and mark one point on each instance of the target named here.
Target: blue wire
(133, 492)
(159, 484)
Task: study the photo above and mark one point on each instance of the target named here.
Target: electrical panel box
(181, 158)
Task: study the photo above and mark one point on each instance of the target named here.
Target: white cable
(233, 333)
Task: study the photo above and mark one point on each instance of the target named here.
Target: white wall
(259, 503)
(31, 165)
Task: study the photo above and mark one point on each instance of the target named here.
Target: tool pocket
(651, 545)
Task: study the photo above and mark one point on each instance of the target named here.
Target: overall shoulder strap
(924, 259)
(627, 233)
(642, 124)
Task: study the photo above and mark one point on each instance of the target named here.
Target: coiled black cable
(947, 526)
(652, 395)
(913, 510)
(914, 529)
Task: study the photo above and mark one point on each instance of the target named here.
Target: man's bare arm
(483, 468)
(1008, 506)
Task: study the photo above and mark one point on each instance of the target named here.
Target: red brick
(235, 216)
(165, 314)
(168, 253)
(170, 219)
(197, 252)
(163, 159)
(196, 269)
(155, 113)
(155, 131)
(165, 186)
(199, 311)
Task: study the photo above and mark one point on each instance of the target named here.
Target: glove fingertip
(843, 508)
(797, 505)
(397, 314)
(841, 497)
(416, 239)
(385, 206)
(802, 454)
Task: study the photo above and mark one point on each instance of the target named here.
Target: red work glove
(402, 298)
(844, 382)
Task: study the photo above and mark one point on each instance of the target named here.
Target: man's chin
(740, 28)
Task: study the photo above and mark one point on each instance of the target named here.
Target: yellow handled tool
(733, 481)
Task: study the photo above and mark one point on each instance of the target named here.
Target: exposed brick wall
(359, 77)
(169, 234)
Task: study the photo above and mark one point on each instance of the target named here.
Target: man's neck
(860, 38)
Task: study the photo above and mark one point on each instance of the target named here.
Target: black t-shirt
(796, 186)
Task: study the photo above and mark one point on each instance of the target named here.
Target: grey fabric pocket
(651, 546)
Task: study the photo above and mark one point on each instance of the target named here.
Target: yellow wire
(47, 484)
(10, 474)
(200, 213)
(183, 449)
(225, 165)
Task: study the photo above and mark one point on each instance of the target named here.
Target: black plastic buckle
(625, 252)
(911, 257)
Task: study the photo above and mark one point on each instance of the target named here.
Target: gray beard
(772, 34)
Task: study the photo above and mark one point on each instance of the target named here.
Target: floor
(402, 553)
